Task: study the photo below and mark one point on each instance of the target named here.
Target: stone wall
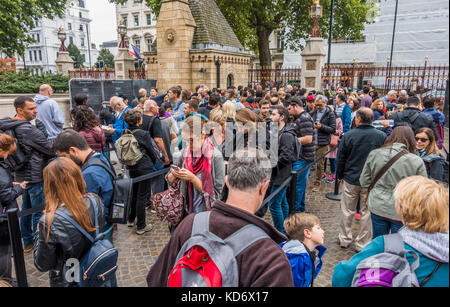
(7, 105)
(234, 64)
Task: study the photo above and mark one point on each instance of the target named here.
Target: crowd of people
(225, 152)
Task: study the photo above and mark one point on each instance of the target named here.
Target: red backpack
(205, 260)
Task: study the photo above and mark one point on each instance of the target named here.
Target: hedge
(12, 82)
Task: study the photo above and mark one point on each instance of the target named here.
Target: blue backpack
(99, 264)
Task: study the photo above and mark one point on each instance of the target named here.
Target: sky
(103, 26)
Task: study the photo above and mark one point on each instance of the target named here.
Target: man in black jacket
(37, 151)
(287, 153)
(413, 117)
(354, 148)
(325, 126)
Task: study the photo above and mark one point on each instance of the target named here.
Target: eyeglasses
(423, 140)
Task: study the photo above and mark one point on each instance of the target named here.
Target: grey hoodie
(432, 245)
(49, 113)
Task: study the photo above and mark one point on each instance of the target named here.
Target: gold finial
(316, 1)
(426, 58)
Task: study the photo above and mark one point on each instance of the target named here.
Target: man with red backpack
(228, 246)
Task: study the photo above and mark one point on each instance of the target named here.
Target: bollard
(17, 248)
(336, 195)
(292, 193)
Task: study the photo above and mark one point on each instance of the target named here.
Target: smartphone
(174, 167)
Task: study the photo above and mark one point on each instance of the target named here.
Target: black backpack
(407, 121)
(123, 188)
(17, 160)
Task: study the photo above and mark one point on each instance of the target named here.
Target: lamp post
(62, 37)
(315, 12)
(330, 33)
(392, 46)
(122, 30)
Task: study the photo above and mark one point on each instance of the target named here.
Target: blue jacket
(100, 182)
(438, 117)
(120, 125)
(301, 264)
(49, 113)
(427, 246)
(178, 108)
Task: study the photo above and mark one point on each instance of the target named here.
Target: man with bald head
(354, 148)
(48, 112)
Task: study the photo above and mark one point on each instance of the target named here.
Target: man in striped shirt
(304, 128)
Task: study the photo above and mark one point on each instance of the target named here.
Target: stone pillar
(313, 59)
(123, 62)
(64, 63)
(175, 31)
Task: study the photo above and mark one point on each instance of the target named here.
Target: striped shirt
(304, 126)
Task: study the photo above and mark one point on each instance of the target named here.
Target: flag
(135, 51)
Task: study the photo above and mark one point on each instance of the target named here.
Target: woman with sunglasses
(429, 152)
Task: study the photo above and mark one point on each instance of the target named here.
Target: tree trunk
(265, 58)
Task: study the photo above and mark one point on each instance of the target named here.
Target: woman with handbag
(199, 167)
(9, 192)
(384, 169)
(57, 240)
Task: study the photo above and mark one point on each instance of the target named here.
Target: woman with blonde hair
(229, 108)
(428, 150)
(57, 240)
(379, 109)
(422, 205)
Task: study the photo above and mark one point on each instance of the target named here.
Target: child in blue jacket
(305, 249)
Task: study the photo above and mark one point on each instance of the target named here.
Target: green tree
(18, 17)
(254, 21)
(75, 52)
(107, 57)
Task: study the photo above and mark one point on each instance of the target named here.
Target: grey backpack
(388, 269)
(205, 260)
(128, 150)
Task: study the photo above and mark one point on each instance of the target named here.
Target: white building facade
(422, 30)
(141, 24)
(40, 56)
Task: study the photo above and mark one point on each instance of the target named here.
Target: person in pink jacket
(333, 154)
(87, 124)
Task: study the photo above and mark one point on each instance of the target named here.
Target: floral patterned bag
(169, 204)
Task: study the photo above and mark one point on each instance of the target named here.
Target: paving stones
(138, 253)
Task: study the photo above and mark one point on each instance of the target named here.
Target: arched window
(230, 80)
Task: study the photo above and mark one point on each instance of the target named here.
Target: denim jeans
(382, 226)
(332, 166)
(33, 197)
(279, 209)
(302, 179)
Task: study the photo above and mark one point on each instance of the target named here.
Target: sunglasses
(423, 140)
